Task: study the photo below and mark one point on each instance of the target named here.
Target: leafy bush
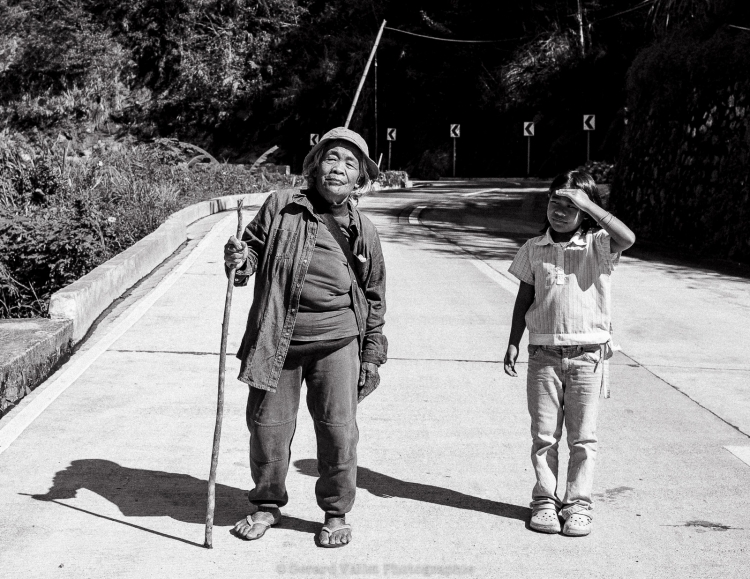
(60, 216)
(432, 164)
(392, 179)
(601, 171)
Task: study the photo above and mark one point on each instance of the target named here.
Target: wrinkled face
(338, 171)
(563, 215)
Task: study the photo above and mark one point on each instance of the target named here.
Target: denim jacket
(281, 239)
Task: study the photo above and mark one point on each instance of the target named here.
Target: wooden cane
(208, 543)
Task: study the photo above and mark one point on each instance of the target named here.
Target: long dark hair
(577, 180)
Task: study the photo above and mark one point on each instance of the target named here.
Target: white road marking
(522, 189)
(56, 385)
(414, 216)
(472, 193)
(507, 190)
(741, 452)
(504, 282)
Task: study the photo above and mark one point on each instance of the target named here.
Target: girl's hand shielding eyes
(578, 197)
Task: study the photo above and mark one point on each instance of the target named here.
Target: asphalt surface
(109, 480)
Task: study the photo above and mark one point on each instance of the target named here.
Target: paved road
(109, 480)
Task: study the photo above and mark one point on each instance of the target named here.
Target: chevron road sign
(589, 122)
(455, 131)
(528, 129)
(391, 134)
(314, 138)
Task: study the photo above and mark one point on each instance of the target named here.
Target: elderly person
(317, 317)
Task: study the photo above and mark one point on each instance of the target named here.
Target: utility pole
(364, 75)
(375, 73)
(579, 17)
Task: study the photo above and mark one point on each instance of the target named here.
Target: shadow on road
(385, 486)
(152, 493)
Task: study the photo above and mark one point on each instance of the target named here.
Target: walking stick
(208, 543)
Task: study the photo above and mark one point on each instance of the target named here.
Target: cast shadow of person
(385, 486)
(152, 493)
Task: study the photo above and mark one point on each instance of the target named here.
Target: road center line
(504, 282)
(507, 283)
(472, 193)
(414, 215)
(53, 387)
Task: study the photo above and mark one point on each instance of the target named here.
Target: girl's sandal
(578, 525)
(545, 520)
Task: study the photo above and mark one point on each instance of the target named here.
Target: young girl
(564, 299)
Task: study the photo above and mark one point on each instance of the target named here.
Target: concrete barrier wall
(30, 349)
(84, 300)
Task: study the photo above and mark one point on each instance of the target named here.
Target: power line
(639, 6)
(450, 39)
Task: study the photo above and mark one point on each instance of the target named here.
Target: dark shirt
(325, 304)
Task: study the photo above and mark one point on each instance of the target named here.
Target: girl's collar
(579, 238)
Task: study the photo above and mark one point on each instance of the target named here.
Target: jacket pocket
(282, 245)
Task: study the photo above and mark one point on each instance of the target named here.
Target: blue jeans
(331, 373)
(564, 384)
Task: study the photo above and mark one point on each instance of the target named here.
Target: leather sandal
(251, 522)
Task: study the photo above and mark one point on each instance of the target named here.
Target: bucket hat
(352, 137)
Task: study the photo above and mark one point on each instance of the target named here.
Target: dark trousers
(331, 372)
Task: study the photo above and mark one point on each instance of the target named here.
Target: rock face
(682, 177)
(29, 349)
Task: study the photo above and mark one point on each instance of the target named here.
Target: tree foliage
(237, 76)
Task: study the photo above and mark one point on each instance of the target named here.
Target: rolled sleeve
(375, 344)
(242, 274)
(255, 235)
(602, 239)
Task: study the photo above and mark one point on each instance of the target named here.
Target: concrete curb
(85, 299)
(30, 348)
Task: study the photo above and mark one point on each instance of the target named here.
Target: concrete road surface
(103, 468)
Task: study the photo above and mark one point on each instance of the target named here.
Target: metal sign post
(391, 135)
(589, 124)
(455, 134)
(528, 132)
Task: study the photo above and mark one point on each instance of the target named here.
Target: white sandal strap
(330, 531)
(250, 522)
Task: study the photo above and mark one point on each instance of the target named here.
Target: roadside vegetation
(61, 216)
